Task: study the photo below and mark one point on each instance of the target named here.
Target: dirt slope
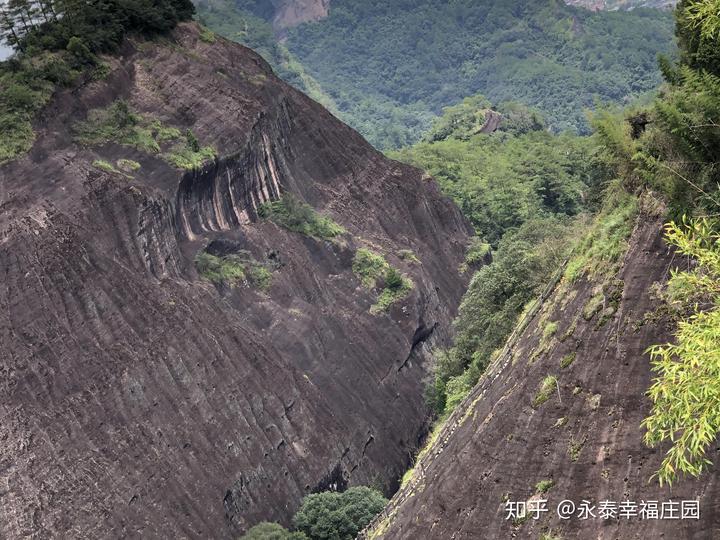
(139, 401)
(586, 438)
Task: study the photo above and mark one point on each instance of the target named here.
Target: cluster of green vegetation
(233, 270)
(390, 66)
(295, 215)
(545, 391)
(120, 124)
(56, 43)
(326, 516)
(543, 486)
(375, 272)
(525, 190)
(503, 179)
(686, 395)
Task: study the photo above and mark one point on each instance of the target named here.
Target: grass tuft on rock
(118, 123)
(296, 216)
(233, 270)
(547, 387)
(374, 271)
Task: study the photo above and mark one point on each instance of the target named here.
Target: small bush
(575, 447)
(128, 165)
(545, 392)
(164, 133)
(593, 306)
(101, 71)
(550, 330)
(105, 166)
(296, 216)
(338, 516)
(544, 486)
(567, 360)
(259, 276)
(393, 279)
(207, 35)
(369, 266)
(389, 295)
(189, 159)
(220, 270)
(408, 255)
(233, 270)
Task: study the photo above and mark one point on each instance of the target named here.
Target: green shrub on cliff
(374, 271)
(233, 270)
(369, 266)
(295, 215)
(119, 123)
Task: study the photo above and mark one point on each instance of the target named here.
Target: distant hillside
(282, 14)
(598, 5)
(391, 66)
(388, 68)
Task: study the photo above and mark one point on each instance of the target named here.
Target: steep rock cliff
(583, 443)
(139, 400)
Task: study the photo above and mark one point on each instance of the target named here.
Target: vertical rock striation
(139, 400)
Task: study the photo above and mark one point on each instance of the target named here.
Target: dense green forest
(388, 68)
(391, 66)
(526, 191)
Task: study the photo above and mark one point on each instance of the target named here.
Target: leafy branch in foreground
(686, 394)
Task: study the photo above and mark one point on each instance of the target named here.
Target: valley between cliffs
(578, 440)
(139, 400)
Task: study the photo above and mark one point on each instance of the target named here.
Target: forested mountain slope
(622, 4)
(217, 297)
(390, 66)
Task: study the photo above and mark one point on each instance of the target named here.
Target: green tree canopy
(338, 516)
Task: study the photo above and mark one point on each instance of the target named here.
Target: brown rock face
(290, 13)
(139, 401)
(586, 438)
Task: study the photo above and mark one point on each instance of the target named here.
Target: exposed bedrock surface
(583, 443)
(139, 400)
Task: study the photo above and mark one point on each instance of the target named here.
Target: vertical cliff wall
(139, 400)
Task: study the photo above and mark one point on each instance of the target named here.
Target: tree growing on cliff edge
(50, 24)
